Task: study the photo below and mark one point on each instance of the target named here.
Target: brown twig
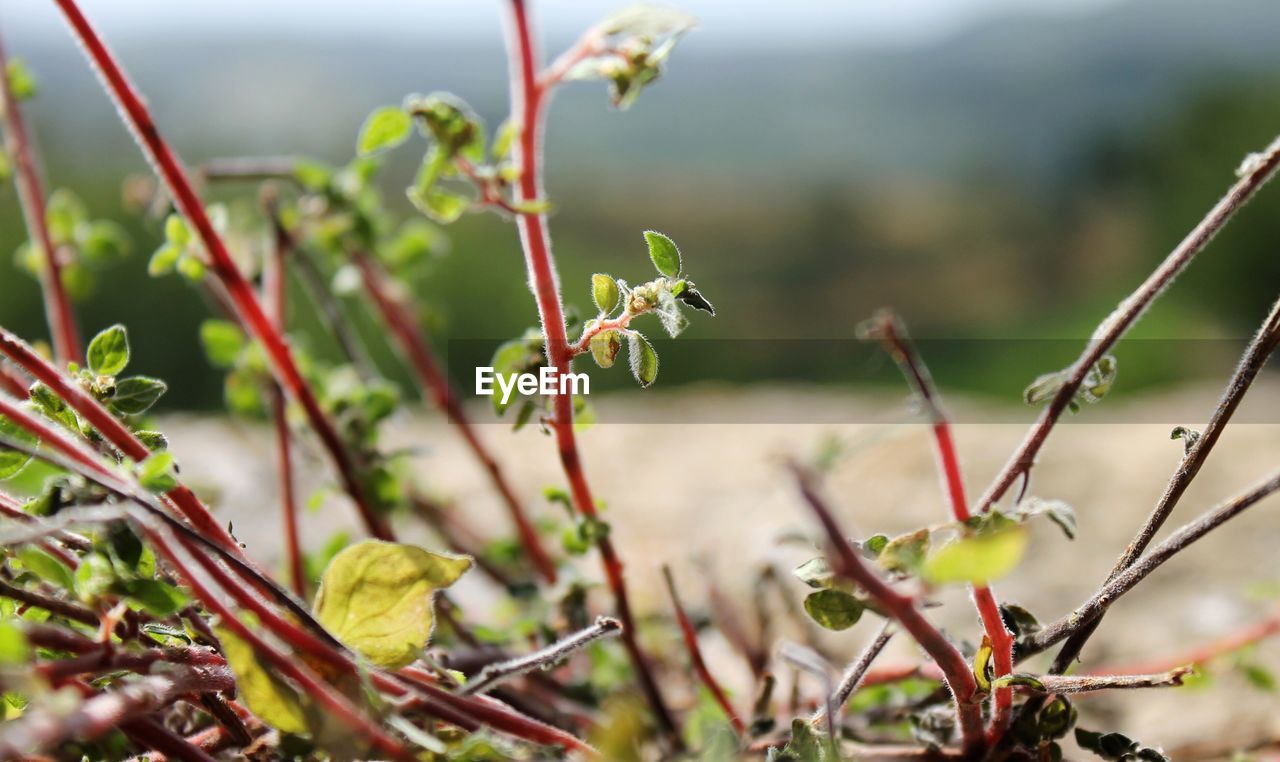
(1254, 174)
(855, 673)
(1090, 683)
(497, 673)
(695, 656)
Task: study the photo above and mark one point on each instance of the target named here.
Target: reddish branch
(1254, 173)
(528, 100)
(1201, 654)
(275, 288)
(31, 196)
(695, 656)
(846, 562)
(413, 344)
(888, 329)
(221, 264)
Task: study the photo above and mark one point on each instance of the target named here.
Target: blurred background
(993, 169)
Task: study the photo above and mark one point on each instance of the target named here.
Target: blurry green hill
(1012, 181)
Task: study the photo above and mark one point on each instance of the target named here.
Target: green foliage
(158, 472)
(605, 294)
(664, 253)
(644, 361)
(135, 395)
(108, 352)
(904, 554)
(262, 690)
(12, 460)
(377, 598)
(639, 39)
(223, 341)
(834, 609)
(385, 128)
(977, 559)
(1097, 382)
(22, 83)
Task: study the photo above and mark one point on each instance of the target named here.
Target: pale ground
(716, 492)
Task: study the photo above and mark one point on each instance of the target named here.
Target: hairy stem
(31, 197)
(1254, 174)
(1090, 683)
(495, 674)
(528, 99)
(855, 673)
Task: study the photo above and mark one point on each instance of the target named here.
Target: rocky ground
(708, 494)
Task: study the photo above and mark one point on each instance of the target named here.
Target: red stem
(888, 329)
(695, 656)
(31, 196)
(221, 264)
(956, 671)
(414, 346)
(274, 288)
(528, 99)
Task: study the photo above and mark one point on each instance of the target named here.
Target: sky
(778, 24)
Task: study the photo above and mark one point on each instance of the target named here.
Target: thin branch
(275, 294)
(249, 169)
(1128, 579)
(1251, 363)
(31, 197)
(528, 100)
(890, 331)
(415, 348)
(1089, 683)
(221, 264)
(855, 673)
(495, 674)
(695, 656)
(846, 562)
(1254, 174)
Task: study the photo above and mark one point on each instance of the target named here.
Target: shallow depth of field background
(995, 170)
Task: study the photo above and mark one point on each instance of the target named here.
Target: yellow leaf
(377, 598)
(266, 695)
(977, 559)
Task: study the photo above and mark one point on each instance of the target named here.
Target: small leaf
(103, 242)
(874, 545)
(135, 395)
(46, 567)
(377, 598)
(691, 296)
(1189, 437)
(22, 83)
(385, 128)
(604, 292)
(816, 573)
(12, 461)
(1021, 622)
(664, 253)
(108, 352)
(14, 649)
(222, 341)
(605, 347)
(176, 231)
(977, 559)
(157, 598)
(644, 361)
(157, 473)
(905, 554)
(265, 694)
(443, 206)
(164, 260)
(834, 609)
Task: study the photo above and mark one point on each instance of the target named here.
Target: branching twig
(494, 675)
(1254, 174)
(1127, 580)
(221, 264)
(695, 656)
(854, 674)
(528, 98)
(846, 562)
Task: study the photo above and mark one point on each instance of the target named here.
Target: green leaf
(664, 253)
(875, 545)
(176, 231)
(6, 165)
(12, 461)
(52, 406)
(135, 395)
(385, 128)
(312, 175)
(108, 353)
(644, 361)
(266, 695)
(222, 341)
(604, 292)
(157, 598)
(377, 598)
(191, 267)
(163, 260)
(14, 649)
(157, 473)
(816, 573)
(977, 559)
(104, 242)
(64, 214)
(834, 609)
(46, 567)
(22, 83)
(443, 206)
(905, 554)
(605, 347)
